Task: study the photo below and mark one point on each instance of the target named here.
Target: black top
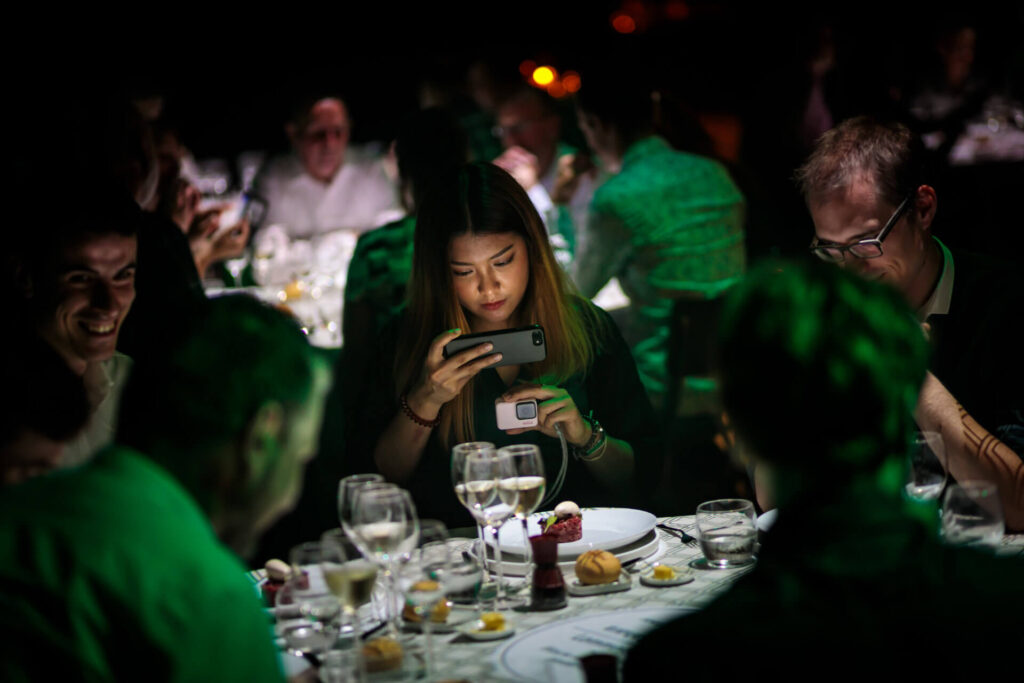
(975, 345)
(167, 285)
(610, 388)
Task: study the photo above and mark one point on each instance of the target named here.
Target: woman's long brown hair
(483, 199)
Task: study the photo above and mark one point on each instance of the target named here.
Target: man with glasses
(873, 213)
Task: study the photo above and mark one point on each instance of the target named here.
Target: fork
(678, 533)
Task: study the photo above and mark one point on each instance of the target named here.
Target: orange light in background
(526, 67)
(544, 75)
(571, 81)
(556, 89)
(676, 10)
(623, 23)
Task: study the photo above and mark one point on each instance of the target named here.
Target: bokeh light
(623, 23)
(544, 75)
(571, 81)
(676, 10)
(526, 67)
(556, 89)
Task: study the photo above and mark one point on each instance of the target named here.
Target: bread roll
(382, 654)
(595, 567)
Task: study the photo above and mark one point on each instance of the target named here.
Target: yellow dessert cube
(663, 572)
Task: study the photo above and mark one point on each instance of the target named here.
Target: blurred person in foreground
(666, 224)
(865, 185)
(820, 376)
(126, 568)
(326, 183)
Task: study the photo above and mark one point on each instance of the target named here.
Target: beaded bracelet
(429, 424)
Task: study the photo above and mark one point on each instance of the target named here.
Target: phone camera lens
(526, 410)
(538, 338)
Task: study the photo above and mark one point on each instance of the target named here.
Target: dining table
(548, 645)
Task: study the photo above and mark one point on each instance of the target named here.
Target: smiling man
(866, 188)
(77, 280)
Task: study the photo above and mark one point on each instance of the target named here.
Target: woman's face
(490, 274)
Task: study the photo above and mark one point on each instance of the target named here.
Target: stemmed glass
(319, 629)
(236, 266)
(458, 468)
(972, 515)
(385, 526)
(492, 504)
(530, 481)
(928, 475)
(423, 576)
(346, 495)
(348, 575)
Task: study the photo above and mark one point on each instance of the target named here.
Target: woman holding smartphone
(482, 262)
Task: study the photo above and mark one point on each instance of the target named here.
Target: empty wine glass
(492, 504)
(385, 525)
(346, 495)
(927, 475)
(530, 482)
(972, 515)
(316, 632)
(422, 576)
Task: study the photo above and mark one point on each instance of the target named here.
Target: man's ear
(925, 204)
(262, 439)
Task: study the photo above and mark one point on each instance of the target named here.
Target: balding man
(325, 184)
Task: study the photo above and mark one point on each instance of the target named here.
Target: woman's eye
(505, 262)
(461, 273)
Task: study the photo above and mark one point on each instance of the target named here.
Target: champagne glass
(236, 266)
(927, 476)
(530, 482)
(491, 504)
(422, 578)
(458, 470)
(384, 523)
(346, 494)
(972, 515)
(349, 576)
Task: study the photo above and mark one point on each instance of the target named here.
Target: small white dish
(473, 631)
(684, 575)
(623, 583)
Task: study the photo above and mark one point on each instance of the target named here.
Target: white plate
(683, 575)
(648, 547)
(471, 631)
(551, 652)
(603, 529)
(623, 583)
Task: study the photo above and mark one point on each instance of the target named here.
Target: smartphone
(516, 414)
(516, 346)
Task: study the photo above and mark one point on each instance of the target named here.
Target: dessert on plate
(565, 524)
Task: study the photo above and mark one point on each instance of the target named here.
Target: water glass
(727, 530)
(342, 666)
(927, 475)
(972, 515)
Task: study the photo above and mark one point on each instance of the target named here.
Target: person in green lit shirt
(127, 568)
(666, 224)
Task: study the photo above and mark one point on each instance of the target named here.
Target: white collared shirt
(938, 302)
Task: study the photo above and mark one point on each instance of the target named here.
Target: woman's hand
(554, 406)
(443, 378)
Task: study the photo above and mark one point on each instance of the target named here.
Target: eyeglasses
(870, 248)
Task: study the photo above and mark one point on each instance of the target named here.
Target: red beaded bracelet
(429, 424)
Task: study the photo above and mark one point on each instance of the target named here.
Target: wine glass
(458, 470)
(346, 494)
(385, 525)
(349, 576)
(530, 482)
(236, 266)
(927, 476)
(972, 515)
(422, 577)
(320, 610)
(492, 504)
